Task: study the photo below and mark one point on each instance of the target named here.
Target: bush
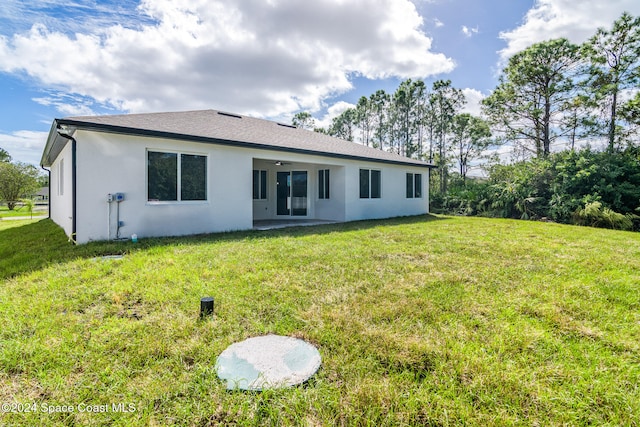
(595, 215)
(565, 188)
(465, 197)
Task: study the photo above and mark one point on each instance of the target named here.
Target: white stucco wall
(393, 201)
(60, 203)
(333, 208)
(110, 163)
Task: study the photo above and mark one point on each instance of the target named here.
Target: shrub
(595, 215)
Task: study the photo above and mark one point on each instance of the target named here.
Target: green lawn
(420, 321)
(20, 211)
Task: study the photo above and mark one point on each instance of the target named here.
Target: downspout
(73, 190)
(49, 189)
(73, 185)
(428, 190)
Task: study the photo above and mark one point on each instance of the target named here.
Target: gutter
(49, 191)
(73, 184)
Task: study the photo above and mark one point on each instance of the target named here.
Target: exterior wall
(393, 199)
(333, 208)
(111, 163)
(60, 205)
(344, 203)
(327, 209)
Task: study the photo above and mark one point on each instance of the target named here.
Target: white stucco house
(180, 173)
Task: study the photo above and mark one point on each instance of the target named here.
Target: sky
(264, 58)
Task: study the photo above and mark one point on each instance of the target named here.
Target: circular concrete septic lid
(266, 362)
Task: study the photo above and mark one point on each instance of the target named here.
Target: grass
(20, 211)
(420, 321)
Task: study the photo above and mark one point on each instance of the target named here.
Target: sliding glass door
(292, 193)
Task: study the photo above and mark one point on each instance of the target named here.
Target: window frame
(413, 185)
(372, 188)
(181, 175)
(179, 190)
(324, 184)
(262, 189)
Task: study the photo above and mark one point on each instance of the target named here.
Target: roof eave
(100, 127)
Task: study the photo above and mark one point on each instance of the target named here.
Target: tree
(576, 122)
(424, 116)
(470, 138)
(630, 110)
(533, 93)
(29, 204)
(364, 116)
(303, 120)
(43, 180)
(379, 104)
(614, 66)
(446, 101)
(342, 126)
(405, 117)
(4, 156)
(429, 121)
(17, 180)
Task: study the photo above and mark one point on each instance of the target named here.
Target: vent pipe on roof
(235, 116)
(287, 126)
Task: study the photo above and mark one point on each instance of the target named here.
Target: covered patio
(288, 192)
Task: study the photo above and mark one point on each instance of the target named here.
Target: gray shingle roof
(211, 126)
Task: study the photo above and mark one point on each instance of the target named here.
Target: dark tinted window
(162, 170)
(193, 183)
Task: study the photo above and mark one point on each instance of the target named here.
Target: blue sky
(270, 59)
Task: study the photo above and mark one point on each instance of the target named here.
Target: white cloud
(25, 146)
(474, 98)
(333, 111)
(259, 58)
(468, 32)
(68, 105)
(338, 108)
(574, 20)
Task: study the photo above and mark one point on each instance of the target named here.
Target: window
(171, 180)
(375, 184)
(414, 185)
(323, 184)
(193, 179)
(370, 184)
(259, 184)
(418, 186)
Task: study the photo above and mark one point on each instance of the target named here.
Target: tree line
(17, 180)
(553, 102)
(415, 121)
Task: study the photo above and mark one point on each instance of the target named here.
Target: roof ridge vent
(235, 116)
(286, 125)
